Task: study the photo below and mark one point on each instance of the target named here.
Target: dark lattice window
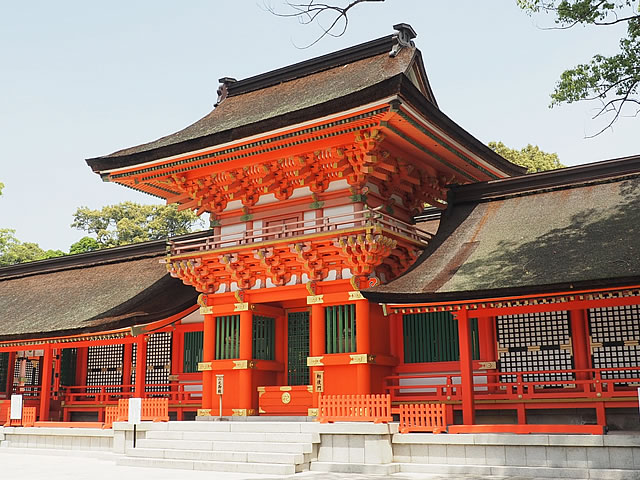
(4, 371)
(535, 342)
(227, 337)
(616, 333)
(298, 348)
(158, 362)
(192, 351)
(68, 360)
(27, 372)
(433, 337)
(264, 338)
(340, 322)
(104, 366)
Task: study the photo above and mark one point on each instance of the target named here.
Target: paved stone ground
(39, 466)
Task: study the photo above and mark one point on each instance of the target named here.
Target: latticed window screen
(227, 337)
(158, 362)
(68, 360)
(298, 348)
(433, 337)
(30, 376)
(264, 338)
(4, 370)
(610, 328)
(104, 366)
(192, 351)
(535, 342)
(340, 322)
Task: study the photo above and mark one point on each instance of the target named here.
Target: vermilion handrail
(362, 218)
(585, 383)
(110, 394)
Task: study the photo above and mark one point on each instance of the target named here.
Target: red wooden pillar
(246, 353)
(208, 355)
(126, 366)
(466, 367)
(582, 354)
(45, 392)
(280, 346)
(318, 341)
(363, 345)
(141, 365)
(397, 336)
(82, 354)
(11, 371)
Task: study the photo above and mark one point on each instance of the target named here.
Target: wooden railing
(354, 408)
(110, 394)
(332, 223)
(422, 417)
(153, 409)
(28, 417)
(560, 385)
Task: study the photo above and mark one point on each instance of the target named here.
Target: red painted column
(81, 365)
(45, 392)
(466, 367)
(208, 355)
(11, 373)
(141, 366)
(318, 341)
(363, 345)
(580, 341)
(246, 353)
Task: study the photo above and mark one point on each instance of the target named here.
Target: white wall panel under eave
(232, 233)
(342, 214)
(341, 184)
(193, 317)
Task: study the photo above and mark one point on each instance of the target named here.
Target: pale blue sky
(80, 79)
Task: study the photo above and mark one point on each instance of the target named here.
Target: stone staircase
(282, 448)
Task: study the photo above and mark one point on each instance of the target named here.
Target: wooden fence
(354, 408)
(422, 417)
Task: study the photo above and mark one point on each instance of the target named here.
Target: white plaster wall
(233, 233)
(455, 380)
(337, 185)
(193, 317)
(344, 211)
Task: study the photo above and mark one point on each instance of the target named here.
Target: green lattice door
(298, 349)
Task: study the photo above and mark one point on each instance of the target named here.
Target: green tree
(129, 222)
(85, 244)
(13, 251)
(1, 187)
(531, 157)
(611, 80)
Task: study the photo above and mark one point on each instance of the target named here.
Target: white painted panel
(342, 214)
(268, 198)
(338, 185)
(310, 221)
(233, 205)
(455, 380)
(193, 317)
(257, 230)
(301, 192)
(232, 233)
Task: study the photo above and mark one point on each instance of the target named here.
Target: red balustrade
(354, 408)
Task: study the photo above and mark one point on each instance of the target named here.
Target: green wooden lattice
(68, 360)
(192, 351)
(4, 370)
(298, 348)
(227, 337)
(340, 322)
(433, 337)
(264, 338)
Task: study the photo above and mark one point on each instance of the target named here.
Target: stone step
(489, 470)
(220, 456)
(240, 467)
(264, 427)
(235, 436)
(275, 447)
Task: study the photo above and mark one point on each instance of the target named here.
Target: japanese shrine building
(315, 276)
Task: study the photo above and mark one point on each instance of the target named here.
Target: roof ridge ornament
(402, 38)
(223, 89)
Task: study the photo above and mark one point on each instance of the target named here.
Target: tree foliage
(610, 80)
(129, 222)
(85, 244)
(1, 187)
(13, 251)
(531, 157)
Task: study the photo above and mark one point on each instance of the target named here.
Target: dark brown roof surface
(322, 86)
(105, 290)
(554, 231)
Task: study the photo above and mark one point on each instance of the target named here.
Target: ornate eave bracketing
(362, 250)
